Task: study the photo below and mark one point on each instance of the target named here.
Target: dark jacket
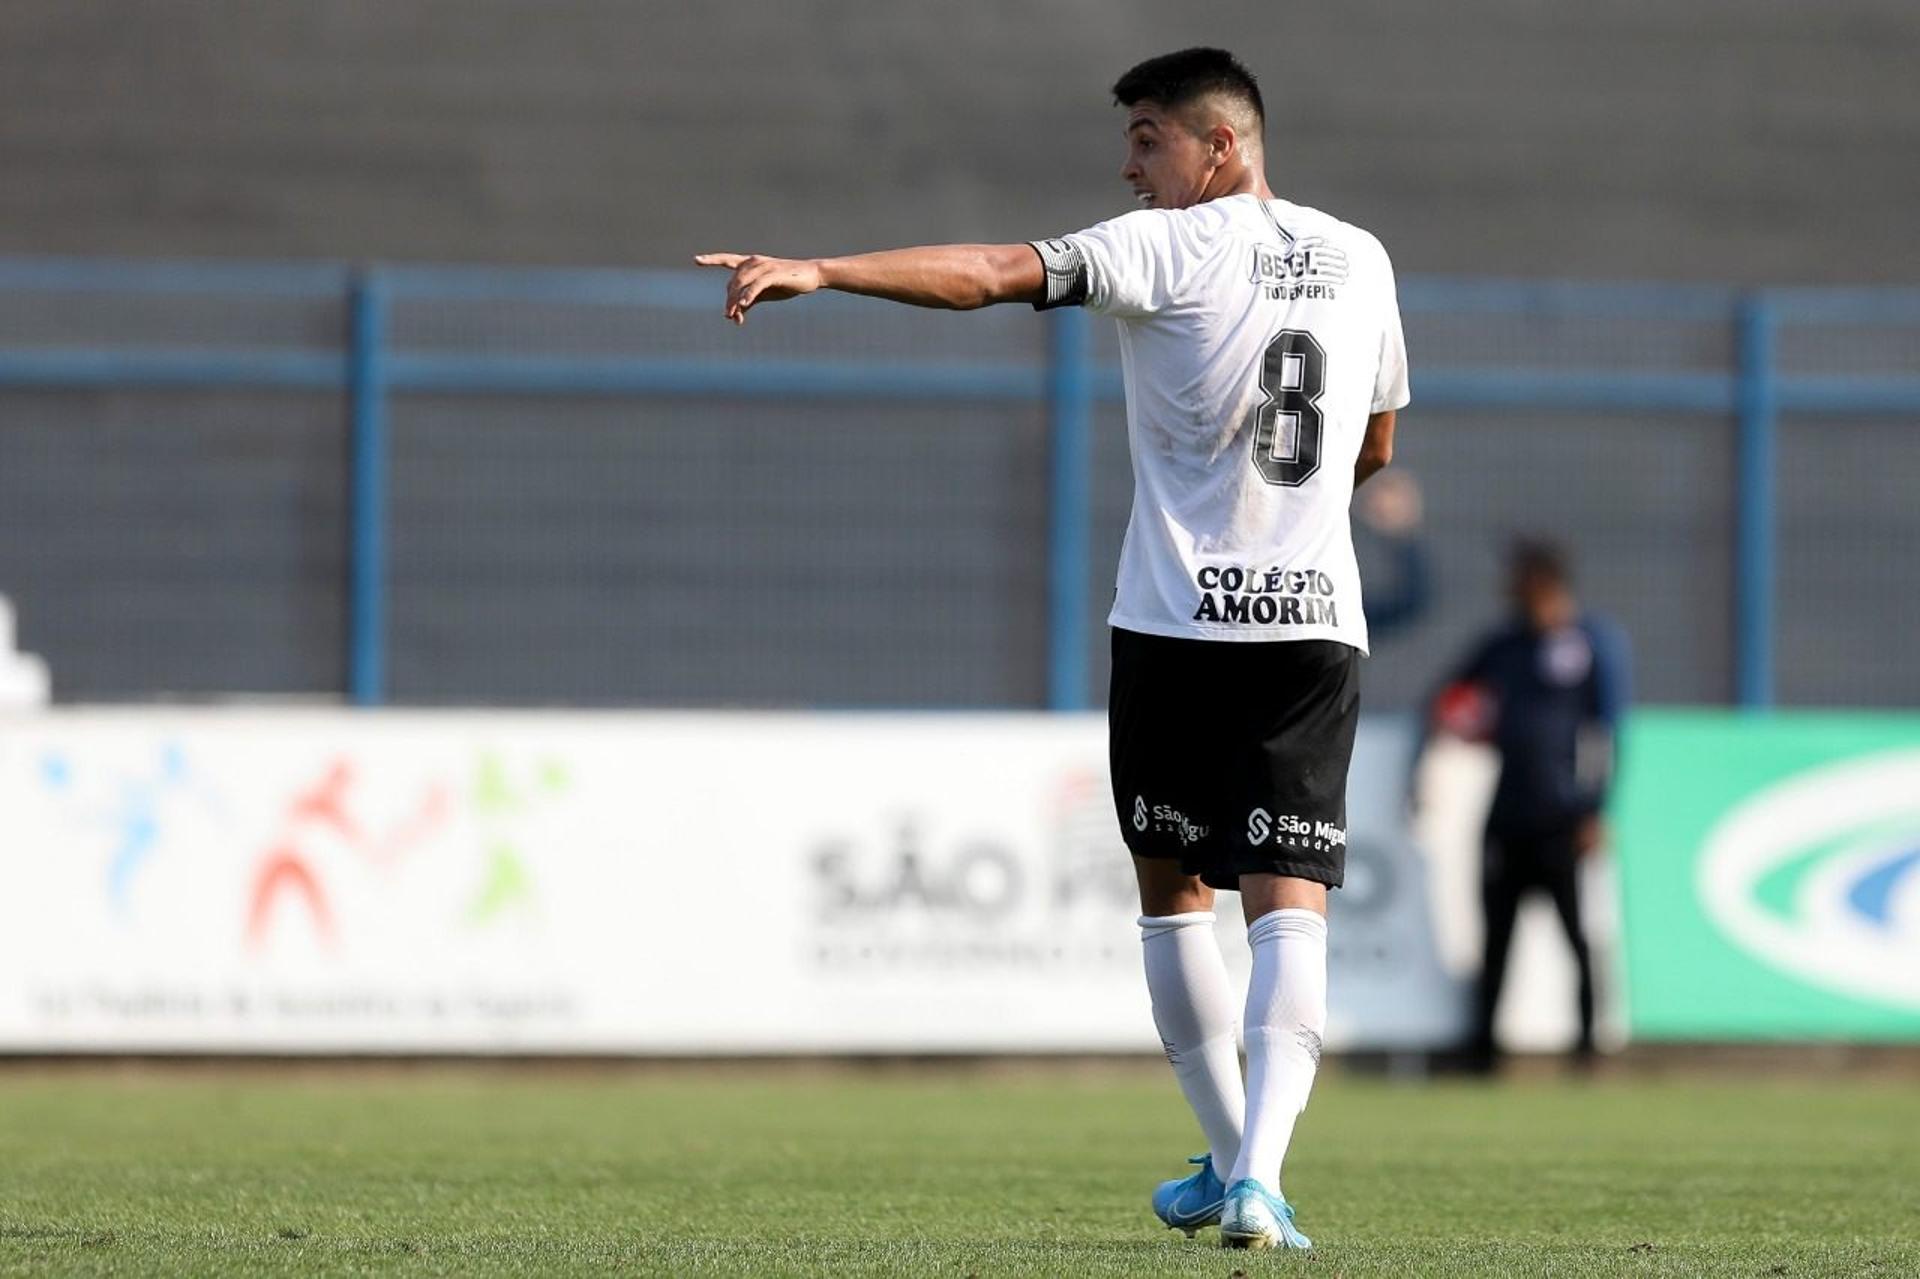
(1558, 697)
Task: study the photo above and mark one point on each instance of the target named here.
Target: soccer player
(1263, 363)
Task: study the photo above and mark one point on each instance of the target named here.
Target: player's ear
(1221, 143)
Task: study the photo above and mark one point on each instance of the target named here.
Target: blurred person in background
(1396, 573)
(1264, 363)
(1546, 688)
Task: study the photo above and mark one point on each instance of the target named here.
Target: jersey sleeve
(1597, 745)
(1612, 672)
(1390, 390)
(1128, 266)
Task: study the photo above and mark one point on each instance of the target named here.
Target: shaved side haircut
(1177, 81)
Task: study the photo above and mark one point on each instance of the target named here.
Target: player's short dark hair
(1175, 80)
(1540, 559)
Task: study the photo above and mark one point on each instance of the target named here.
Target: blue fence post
(1070, 506)
(1754, 574)
(367, 547)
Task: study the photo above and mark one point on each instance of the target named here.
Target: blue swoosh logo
(1872, 894)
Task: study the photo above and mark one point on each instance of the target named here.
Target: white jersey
(1256, 338)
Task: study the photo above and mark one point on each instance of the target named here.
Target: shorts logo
(1166, 820)
(1294, 832)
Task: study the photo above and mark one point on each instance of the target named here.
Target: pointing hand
(761, 279)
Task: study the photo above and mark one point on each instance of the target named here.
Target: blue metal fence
(370, 370)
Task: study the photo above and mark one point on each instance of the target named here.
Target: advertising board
(321, 881)
(1771, 875)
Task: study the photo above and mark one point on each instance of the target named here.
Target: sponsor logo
(919, 892)
(1265, 596)
(1297, 832)
(1165, 819)
(325, 859)
(1818, 877)
(325, 827)
(1307, 268)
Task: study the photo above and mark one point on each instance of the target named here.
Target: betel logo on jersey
(1819, 876)
(1301, 268)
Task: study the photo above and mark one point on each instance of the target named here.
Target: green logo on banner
(1818, 877)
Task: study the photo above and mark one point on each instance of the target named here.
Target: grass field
(894, 1173)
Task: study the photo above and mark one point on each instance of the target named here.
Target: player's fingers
(727, 260)
(741, 290)
(739, 296)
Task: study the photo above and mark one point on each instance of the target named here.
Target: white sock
(1193, 1011)
(1286, 1016)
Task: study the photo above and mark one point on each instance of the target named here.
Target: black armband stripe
(1066, 269)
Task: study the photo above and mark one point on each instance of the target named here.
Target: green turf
(446, 1172)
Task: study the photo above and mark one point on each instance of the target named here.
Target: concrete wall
(1750, 140)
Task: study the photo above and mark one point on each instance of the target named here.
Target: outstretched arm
(957, 277)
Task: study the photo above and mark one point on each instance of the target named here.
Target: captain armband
(1066, 269)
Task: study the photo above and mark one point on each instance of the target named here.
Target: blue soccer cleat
(1189, 1203)
(1255, 1217)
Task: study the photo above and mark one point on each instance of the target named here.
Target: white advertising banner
(394, 882)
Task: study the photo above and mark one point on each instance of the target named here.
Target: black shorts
(1232, 757)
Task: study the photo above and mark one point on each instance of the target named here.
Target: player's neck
(1239, 180)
